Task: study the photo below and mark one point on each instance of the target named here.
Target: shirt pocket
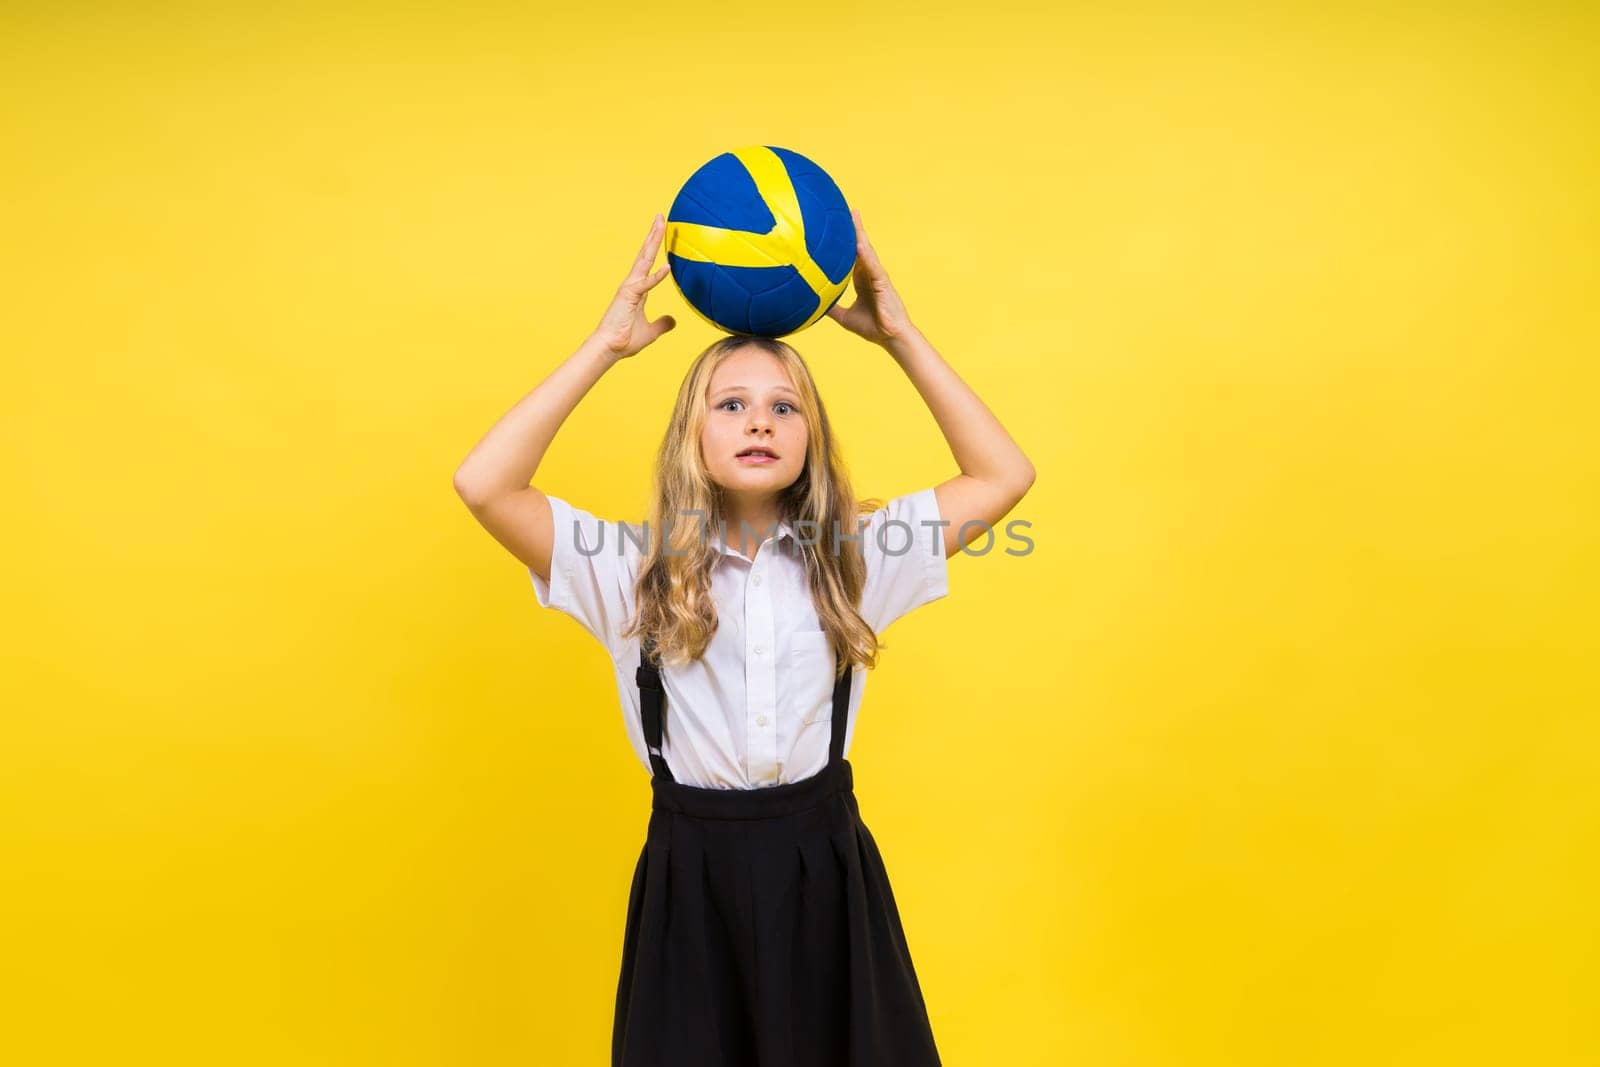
(808, 666)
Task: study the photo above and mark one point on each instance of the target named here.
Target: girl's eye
(731, 400)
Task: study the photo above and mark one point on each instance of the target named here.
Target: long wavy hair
(674, 608)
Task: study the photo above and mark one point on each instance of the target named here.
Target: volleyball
(761, 241)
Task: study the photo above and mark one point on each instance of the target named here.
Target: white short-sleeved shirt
(755, 710)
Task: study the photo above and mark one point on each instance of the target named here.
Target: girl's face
(752, 405)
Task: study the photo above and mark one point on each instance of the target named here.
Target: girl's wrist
(903, 342)
(595, 349)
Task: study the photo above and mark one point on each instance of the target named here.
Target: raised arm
(493, 479)
(995, 474)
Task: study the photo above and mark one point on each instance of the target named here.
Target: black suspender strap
(652, 696)
(841, 714)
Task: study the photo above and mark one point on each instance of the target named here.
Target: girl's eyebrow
(741, 389)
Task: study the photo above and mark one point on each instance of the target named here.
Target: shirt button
(758, 650)
(757, 579)
(761, 720)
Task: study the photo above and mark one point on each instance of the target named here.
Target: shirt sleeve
(904, 552)
(593, 565)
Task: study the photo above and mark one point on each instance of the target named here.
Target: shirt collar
(784, 530)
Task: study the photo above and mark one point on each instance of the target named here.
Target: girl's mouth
(757, 459)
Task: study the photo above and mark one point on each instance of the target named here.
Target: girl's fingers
(869, 255)
(863, 276)
(638, 284)
(647, 254)
(874, 267)
(864, 249)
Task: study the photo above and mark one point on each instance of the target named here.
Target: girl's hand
(877, 314)
(623, 330)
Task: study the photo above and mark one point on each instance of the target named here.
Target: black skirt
(762, 930)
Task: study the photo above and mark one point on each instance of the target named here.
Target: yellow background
(1280, 748)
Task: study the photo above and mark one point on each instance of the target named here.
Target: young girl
(761, 928)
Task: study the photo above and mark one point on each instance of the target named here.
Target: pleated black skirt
(762, 932)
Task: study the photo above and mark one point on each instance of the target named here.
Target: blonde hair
(674, 608)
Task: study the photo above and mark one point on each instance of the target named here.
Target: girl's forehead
(778, 385)
(768, 376)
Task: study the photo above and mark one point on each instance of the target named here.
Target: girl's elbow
(471, 491)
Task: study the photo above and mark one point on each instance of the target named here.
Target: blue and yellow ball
(761, 241)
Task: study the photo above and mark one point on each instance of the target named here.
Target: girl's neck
(758, 525)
